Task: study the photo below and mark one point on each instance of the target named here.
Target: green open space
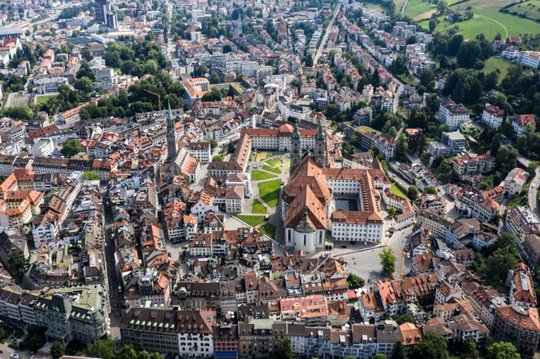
(418, 7)
(42, 100)
(258, 207)
(251, 220)
(375, 7)
(395, 190)
(498, 64)
(530, 9)
(272, 166)
(269, 192)
(269, 230)
(257, 175)
(490, 22)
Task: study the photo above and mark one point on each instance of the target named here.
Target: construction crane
(158, 97)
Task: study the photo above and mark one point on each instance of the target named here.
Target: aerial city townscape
(269, 179)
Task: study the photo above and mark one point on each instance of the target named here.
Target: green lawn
(258, 207)
(42, 100)
(418, 7)
(531, 9)
(490, 22)
(497, 64)
(269, 230)
(251, 220)
(269, 192)
(395, 190)
(257, 175)
(272, 166)
(375, 7)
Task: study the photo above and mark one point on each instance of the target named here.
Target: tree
(127, 352)
(398, 351)
(468, 54)
(391, 212)
(18, 112)
(16, 265)
(213, 143)
(217, 158)
(405, 318)
(432, 346)
(84, 85)
(502, 350)
(354, 281)
(57, 349)
(441, 7)
(71, 147)
(506, 159)
(284, 351)
(412, 192)
(432, 24)
(388, 261)
(402, 147)
(380, 356)
(102, 348)
(430, 190)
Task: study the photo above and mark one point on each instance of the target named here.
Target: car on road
(14, 356)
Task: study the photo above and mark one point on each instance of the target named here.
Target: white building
(493, 116)
(453, 114)
(530, 59)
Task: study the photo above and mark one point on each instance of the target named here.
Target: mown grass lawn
(251, 220)
(272, 166)
(418, 7)
(42, 100)
(498, 64)
(395, 190)
(269, 230)
(258, 207)
(269, 192)
(490, 22)
(257, 175)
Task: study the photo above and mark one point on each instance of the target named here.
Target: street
(533, 192)
(115, 298)
(325, 37)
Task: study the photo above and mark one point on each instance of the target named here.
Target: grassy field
(269, 230)
(398, 4)
(257, 175)
(272, 166)
(490, 22)
(395, 190)
(418, 7)
(258, 207)
(375, 7)
(251, 220)
(269, 192)
(531, 9)
(495, 63)
(42, 100)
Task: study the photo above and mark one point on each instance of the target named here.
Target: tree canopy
(388, 261)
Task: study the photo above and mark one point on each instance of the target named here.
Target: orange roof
(410, 334)
(306, 206)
